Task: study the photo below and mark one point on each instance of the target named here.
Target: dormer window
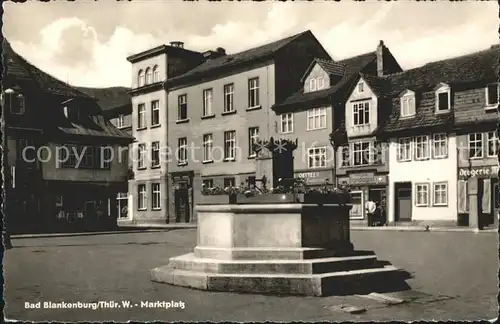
(408, 104)
(316, 84)
(321, 83)
(361, 87)
(140, 78)
(492, 91)
(17, 104)
(313, 85)
(443, 98)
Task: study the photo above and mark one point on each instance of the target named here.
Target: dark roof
(19, 68)
(96, 125)
(331, 67)
(231, 60)
(476, 67)
(109, 98)
(353, 66)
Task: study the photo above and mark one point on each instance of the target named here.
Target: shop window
(122, 204)
(208, 183)
(357, 202)
(229, 182)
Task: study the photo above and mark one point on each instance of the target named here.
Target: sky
(86, 42)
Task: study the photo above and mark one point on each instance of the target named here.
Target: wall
(50, 171)
(353, 131)
(317, 72)
(240, 121)
(470, 106)
(428, 171)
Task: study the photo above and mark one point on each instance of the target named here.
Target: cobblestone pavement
(455, 274)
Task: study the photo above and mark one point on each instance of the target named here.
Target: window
(440, 194)
(361, 153)
(492, 144)
(316, 118)
(229, 182)
(208, 183)
(228, 97)
(207, 102)
(404, 149)
(321, 83)
(316, 157)
(346, 156)
(253, 93)
(208, 143)
(140, 78)
(182, 103)
(230, 145)
(312, 85)
(107, 156)
(141, 152)
(88, 158)
(156, 195)
(149, 76)
(492, 91)
(156, 74)
(155, 154)
(155, 113)
(440, 146)
(27, 151)
(361, 113)
(141, 116)
(69, 159)
(122, 204)
(357, 202)
(421, 147)
(408, 105)
(422, 194)
(182, 151)
(443, 100)
(141, 197)
(17, 104)
(287, 123)
(253, 136)
(361, 87)
(120, 121)
(475, 145)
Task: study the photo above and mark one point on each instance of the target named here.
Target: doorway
(403, 202)
(182, 208)
(379, 195)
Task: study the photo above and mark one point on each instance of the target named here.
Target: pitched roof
(96, 125)
(20, 68)
(329, 66)
(109, 98)
(353, 66)
(231, 60)
(476, 67)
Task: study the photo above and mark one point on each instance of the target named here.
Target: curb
(420, 229)
(26, 236)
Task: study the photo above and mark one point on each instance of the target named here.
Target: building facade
(61, 171)
(222, 107)
(148, 190)
(442, 133)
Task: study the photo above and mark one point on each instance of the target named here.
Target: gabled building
(324, 106)
(148, 190)
(443, 118)
(62, 153)
(116, 106)
(218, 109)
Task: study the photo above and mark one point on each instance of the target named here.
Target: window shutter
(486, 207)
(462, 196)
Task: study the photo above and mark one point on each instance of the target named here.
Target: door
(90, 214)
(182, 210)
(403, 203)
(379, 195)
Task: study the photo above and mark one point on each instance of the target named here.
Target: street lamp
(7, 171)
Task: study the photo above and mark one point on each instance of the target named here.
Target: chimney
(221, 50)
(380, 58)
(177, 44)
(208, 55)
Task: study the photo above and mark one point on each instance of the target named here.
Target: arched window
(149, 76)
(156, 74)
(140, 79)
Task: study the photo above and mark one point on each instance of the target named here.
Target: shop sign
(307, 175)
(366, 179)
(490, 171)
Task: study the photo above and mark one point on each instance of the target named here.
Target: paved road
(459, 268)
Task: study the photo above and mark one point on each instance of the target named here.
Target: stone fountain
(283, 244)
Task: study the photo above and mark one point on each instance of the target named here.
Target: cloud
(89, 47)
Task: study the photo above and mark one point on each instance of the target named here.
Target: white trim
(316, 116)
(496, 142)
(313, 153)
(406, 102)
(253, 92)
(427, 151)
(207, 102)
(359, 108)
(434, 141)
(487, 98)
(153, 192)
(312, 85)
(481, 140)
(443, 88)
(409, 151)
(445, 183)
(153, 109)
(142, 198)
(208, 145)
(182, 148)
(286, 119)
(228, 93)
(321, 83)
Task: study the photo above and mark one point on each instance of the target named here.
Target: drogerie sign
(480, 172)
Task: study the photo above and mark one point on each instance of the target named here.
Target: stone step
(342, 282)
(309, 266)
(262, 253)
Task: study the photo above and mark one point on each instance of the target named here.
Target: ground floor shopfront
(485, 180)
(366, 186)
